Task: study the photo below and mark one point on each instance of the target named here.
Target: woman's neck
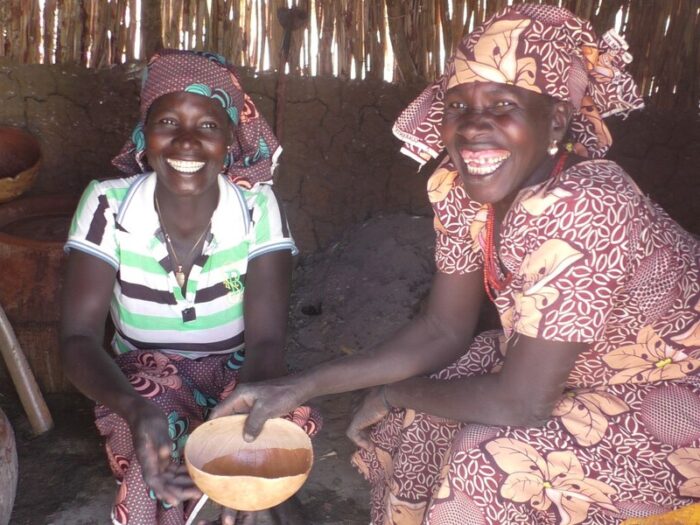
(186, 216)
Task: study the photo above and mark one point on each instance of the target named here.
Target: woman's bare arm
(430, 342)
(266, 309)
(87, 292)
(522, 393)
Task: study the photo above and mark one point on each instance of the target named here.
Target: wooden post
(151, 28)
(8, 469)
(23, 379)
(397, 12)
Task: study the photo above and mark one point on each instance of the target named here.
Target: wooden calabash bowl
(20, 158)
(248, 476)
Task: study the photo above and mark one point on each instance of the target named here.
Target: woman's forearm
(263, 361)
(433, 340)
(428, 343)
(92, 371)
(481, 399)
(522, 393)
(421, 347)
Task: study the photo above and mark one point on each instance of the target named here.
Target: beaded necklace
(492, 282)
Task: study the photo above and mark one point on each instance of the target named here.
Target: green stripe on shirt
(145, 263)
(226, 257)
(156, 323)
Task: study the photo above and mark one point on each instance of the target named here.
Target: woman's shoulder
(113, 191)
(119, 182)
(116, 186)
(598, 176)
(258, 195)
(593, 185)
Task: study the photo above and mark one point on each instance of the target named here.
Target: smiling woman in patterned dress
(585, 407)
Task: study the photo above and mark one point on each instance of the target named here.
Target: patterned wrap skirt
(186, 390)
(607, 454)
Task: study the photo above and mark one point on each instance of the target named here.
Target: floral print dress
(593, 261)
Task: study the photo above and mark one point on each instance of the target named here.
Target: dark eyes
(168, 121)
(496, 107)
(504, 104)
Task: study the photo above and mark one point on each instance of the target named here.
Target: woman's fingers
(175, 485)
(238, 402)
(246, 518)
(254, 423)
(228, 516)
(371, 410)
(170, 482)
(152, 465)
(360, 437)
(259, 402)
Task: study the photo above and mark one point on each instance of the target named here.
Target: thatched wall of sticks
(337, 37)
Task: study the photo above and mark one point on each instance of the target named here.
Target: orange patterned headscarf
(541, 48)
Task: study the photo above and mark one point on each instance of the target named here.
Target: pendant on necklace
(180, 277)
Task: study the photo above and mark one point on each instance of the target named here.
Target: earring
(228, 159)
(553, 148)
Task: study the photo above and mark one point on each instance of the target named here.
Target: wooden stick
(23, 378)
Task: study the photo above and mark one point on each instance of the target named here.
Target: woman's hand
(149, 430)
(371, 410)
(262, 401)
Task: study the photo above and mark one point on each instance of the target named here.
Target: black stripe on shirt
(210, 293)
(216, 346)
(98, 223)
(144, 293)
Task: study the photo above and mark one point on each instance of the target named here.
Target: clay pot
(8, 469)
(33, 231)
(20, 157)
(248, 476)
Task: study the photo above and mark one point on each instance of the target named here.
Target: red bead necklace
(492, 282)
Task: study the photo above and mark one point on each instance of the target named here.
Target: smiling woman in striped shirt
(191, 255)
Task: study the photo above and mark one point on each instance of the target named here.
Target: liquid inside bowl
(263, 463)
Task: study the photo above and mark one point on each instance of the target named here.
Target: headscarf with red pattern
(541, 48)
(255, 149)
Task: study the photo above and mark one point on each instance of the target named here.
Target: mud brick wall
(340, 164)
(661, 151)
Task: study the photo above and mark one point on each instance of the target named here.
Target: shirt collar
(137, 214)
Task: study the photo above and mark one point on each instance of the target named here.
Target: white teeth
(185, 166)
(484, 166)
(481, 170)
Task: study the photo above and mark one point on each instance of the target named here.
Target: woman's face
(187, 136)
(497, 136)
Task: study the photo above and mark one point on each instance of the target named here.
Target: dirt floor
(345, 299)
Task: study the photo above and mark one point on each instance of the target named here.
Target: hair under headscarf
(255, 149)
(541, 48)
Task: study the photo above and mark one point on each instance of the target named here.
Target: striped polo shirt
(116, 221)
